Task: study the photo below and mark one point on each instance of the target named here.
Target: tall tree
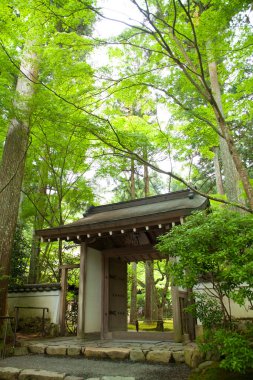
(36, 26)
(176, 37)
(13, 163)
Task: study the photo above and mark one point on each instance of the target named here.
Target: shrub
(207, 310)
(235, 350)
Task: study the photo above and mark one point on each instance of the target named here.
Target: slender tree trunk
(160, 299)
(33, 277)
(149, 283)
(133, 301)
(34, 273)
(146, 181)
(146, 175)
(59, 259)
(12, 171)
(149, 275)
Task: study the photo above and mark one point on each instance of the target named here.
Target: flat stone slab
(33, 374)
(95, 352)
(74, 351)
(158, 356)
(37, 348)
(56, 350)
(9, 373)
(137, 356)
(104, 352)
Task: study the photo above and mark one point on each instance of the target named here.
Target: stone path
(136, 351)
(57, 358)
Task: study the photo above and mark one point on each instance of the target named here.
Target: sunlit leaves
(218, 246)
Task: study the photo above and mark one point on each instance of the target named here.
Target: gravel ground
(88, 368)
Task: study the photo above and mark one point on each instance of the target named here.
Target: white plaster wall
(93, 291)
(36, 299)
(236, 310)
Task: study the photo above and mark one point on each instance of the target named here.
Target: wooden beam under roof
(138, 253)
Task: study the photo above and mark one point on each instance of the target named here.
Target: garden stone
(193, 357)
(178, 356)
(33, 374)
(117, 378)
(205, 364)
(137, 356)
(9, 373)
(118, 353)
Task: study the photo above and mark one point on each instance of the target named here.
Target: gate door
(117, 295)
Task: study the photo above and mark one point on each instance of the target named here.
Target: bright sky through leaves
(121, 10)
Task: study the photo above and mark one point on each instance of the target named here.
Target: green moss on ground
(219, 374)
(167, 324)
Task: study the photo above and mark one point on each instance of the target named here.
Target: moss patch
(219, 374)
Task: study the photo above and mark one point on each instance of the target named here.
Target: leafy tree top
(218, 245)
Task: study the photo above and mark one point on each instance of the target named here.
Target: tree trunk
(12, 171)
(217, 169)
(149, 274)
(132, 179)
(231, 175)
(149, 281)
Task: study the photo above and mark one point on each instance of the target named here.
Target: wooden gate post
(177, 325)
